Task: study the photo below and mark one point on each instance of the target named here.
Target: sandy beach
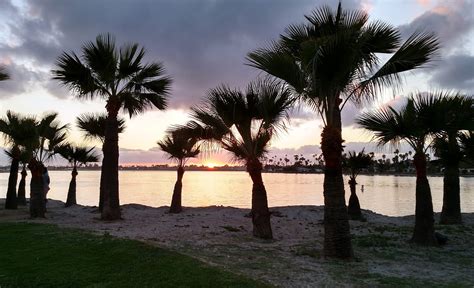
(222, 236)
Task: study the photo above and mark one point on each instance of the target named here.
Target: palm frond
(3, 74)
(93, 125)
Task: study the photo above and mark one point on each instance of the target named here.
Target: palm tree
(243, 123)
(24, 157)
(354, 163)
(118, 76)
(455, 114)
(413, 124)
(93, 127)
(76, 156)
(179, 147)
(3, 74)
(332, 59)
(47, 135)
(16, 131)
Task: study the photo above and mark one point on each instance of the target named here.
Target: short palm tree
(93, 127)
(76, 156)
(118, 76)
(243, 123)
(16, 131)
(455, 115)
(355, 163)
(24, 157)
(48, 134)
(179, 147)
(467, 146)
(331, 59)
(411, 124)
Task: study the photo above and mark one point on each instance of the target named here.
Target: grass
(38, 255)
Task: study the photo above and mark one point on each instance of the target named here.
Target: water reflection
(389, 195)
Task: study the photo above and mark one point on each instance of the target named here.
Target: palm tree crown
(179, 147)
(115, 74)
(18, 131)
(355, 162)
(3, 74)
(77, 155)
(93, 125)
(243, 122)
(335, 55)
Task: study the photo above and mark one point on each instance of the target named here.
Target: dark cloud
(202, 43)
(455, 72)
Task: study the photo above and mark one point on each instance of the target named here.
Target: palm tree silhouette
(413, 124)
(21, 197)
(455, 114)
(119, 76)
(243, 123)
(46, 135)
(16, 130)
(354, 163)
(76, 156)
(332, 59)
(180, 147)
(93, 127)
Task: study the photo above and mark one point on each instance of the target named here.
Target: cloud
(201, 43)
(450, 20)
(455, 72)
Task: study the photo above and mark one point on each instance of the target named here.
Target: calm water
(389, 195)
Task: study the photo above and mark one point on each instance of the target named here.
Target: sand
(221, 236)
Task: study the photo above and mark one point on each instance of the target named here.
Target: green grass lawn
(37, 255)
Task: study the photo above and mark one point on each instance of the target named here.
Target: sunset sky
(203, 44)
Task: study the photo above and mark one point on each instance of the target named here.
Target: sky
(202, 44)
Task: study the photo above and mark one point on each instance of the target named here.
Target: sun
(210, 164)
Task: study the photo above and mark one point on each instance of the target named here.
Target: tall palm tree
(243, 123)
(118, 76)
(331, 59)
(47, 135)
(16, 131)
(354, 163)
(76, 156)
(179, 147)
(411, 124)
(93, 127)
(3, 74)
(454, 116)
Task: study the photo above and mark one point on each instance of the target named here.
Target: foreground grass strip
(37, 255)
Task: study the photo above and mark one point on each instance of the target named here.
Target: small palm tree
(16, 130)
(355, 163)
(179, 147)
(3, 74)
(413, 125)
(118, 76)
(24, 157)
(48, 134)
(76, 156)
(93, 127)
(454, 116)
(331, 59)
(243, 123)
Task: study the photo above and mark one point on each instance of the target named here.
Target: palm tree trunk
(337, 237)
(178, 186)
(353, 209)
(101, 185)
(71, 194)
(21, 200)
(260, 213)
(11, 200)
(451, 212)
(111, 209)
(424, 233)
(37, 196)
